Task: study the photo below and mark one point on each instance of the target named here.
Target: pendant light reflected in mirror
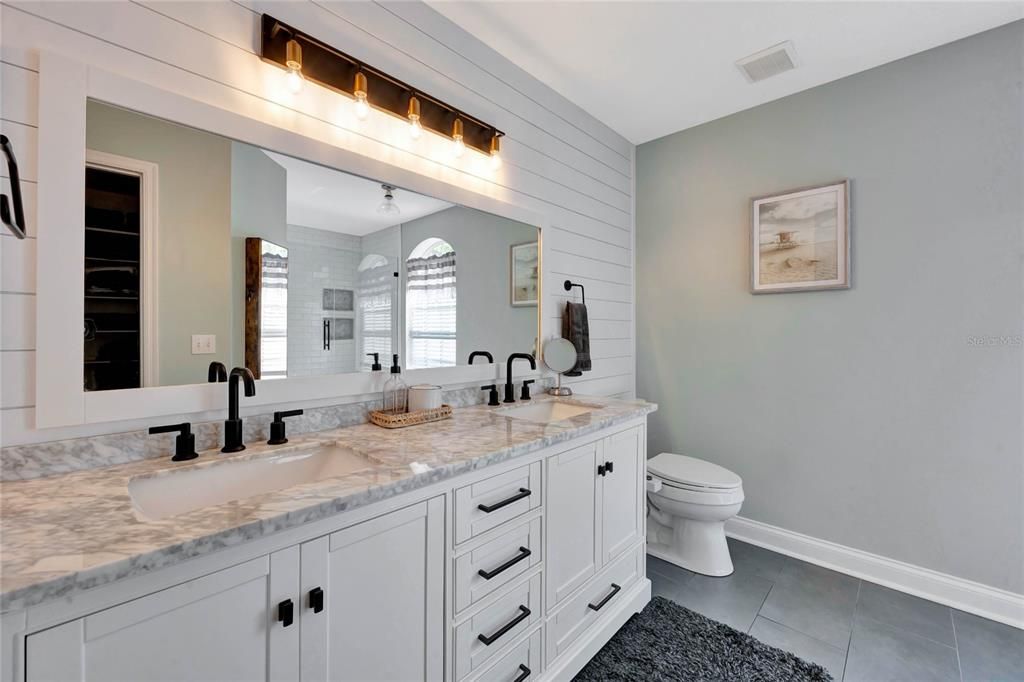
(388, 206)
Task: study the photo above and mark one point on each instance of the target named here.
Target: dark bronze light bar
(333, 69)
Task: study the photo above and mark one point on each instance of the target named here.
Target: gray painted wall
(485, 317)
(868, 417)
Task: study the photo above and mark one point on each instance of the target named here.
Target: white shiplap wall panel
(559, 161)
(17, 265)
(20, 94)
(18, 331)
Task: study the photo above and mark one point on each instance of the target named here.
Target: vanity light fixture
(496, 152)
(320, 63)
(359, 92)
(458, 146)
(293, 61)
(415, 127)
(388, 206)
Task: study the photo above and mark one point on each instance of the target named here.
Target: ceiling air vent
(768, 63)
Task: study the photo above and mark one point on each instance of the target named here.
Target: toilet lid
(691, 471)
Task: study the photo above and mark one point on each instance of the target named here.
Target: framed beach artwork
(523, 267)
(800, 240)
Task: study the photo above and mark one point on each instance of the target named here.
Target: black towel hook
(569, 285)
(17, 226)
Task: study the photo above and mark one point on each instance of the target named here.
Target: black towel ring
(16, 226)
(569, 285)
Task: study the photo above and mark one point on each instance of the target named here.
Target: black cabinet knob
(316, 599)
(286, 612)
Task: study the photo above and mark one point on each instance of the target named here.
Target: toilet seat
(690, 473)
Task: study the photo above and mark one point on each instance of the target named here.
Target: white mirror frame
(65, 84)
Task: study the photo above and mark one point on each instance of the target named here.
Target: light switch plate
(204, 344)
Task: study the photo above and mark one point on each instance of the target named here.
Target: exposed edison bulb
(359, 92)
(495, 152)
(362, 108)
(293, 61)
(458, 146)
(415, 127)
(294, 81)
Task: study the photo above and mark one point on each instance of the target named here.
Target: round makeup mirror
(560, 355)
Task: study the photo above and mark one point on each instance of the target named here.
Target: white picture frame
(800, 240)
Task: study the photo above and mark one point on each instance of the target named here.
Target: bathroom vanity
(503, 544)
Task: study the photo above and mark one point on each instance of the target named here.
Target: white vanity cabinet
(595, 509)
(363, 603)
(517, 571)
(373, 599)
(222, 626)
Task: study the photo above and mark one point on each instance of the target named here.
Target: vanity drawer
(589, 604)
(487, 504)
(522, 662)
(501, 561)
(499, 622)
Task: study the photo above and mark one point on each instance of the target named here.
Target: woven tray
(390, 420)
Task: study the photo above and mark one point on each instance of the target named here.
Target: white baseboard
(966, 595)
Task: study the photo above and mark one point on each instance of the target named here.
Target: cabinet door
(621, 501)
(572, 522)
(222, 626)
(382, 587)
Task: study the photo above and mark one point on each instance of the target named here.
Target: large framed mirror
(200, 251)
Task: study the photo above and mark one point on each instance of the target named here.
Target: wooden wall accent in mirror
(266, 300)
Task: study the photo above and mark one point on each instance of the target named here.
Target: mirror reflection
(202, 251)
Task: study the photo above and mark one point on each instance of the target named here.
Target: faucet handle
(525, 395)
(277, 427)
(492, 397)
(184, 443)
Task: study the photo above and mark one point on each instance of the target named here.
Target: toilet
(689, 502)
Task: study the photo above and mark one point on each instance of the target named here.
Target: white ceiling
(647, 69)
(328, 199)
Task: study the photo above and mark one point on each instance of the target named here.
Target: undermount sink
(548, 411)
(158, 497)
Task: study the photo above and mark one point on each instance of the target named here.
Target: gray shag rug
(668, 642)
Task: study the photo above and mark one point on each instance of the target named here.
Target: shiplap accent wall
(559, 160)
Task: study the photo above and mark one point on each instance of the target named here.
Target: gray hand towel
(576, 328)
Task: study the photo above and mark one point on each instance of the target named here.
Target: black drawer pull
(523, 553)
(607, 598)
(316, 599)
(524, 613)
(488, 508)
(609, 467)
(525, 673)
(286, 612)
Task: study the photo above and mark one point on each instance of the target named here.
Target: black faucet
(217, 373)
(510, 389)
(483, 354)
(233, 425)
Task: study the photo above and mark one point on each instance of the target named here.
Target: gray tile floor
(855, 629)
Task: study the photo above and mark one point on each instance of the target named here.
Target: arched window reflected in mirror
(430, 300)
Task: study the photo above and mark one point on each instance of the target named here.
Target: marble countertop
(65, 534)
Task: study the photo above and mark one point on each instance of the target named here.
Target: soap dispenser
(395, 391)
